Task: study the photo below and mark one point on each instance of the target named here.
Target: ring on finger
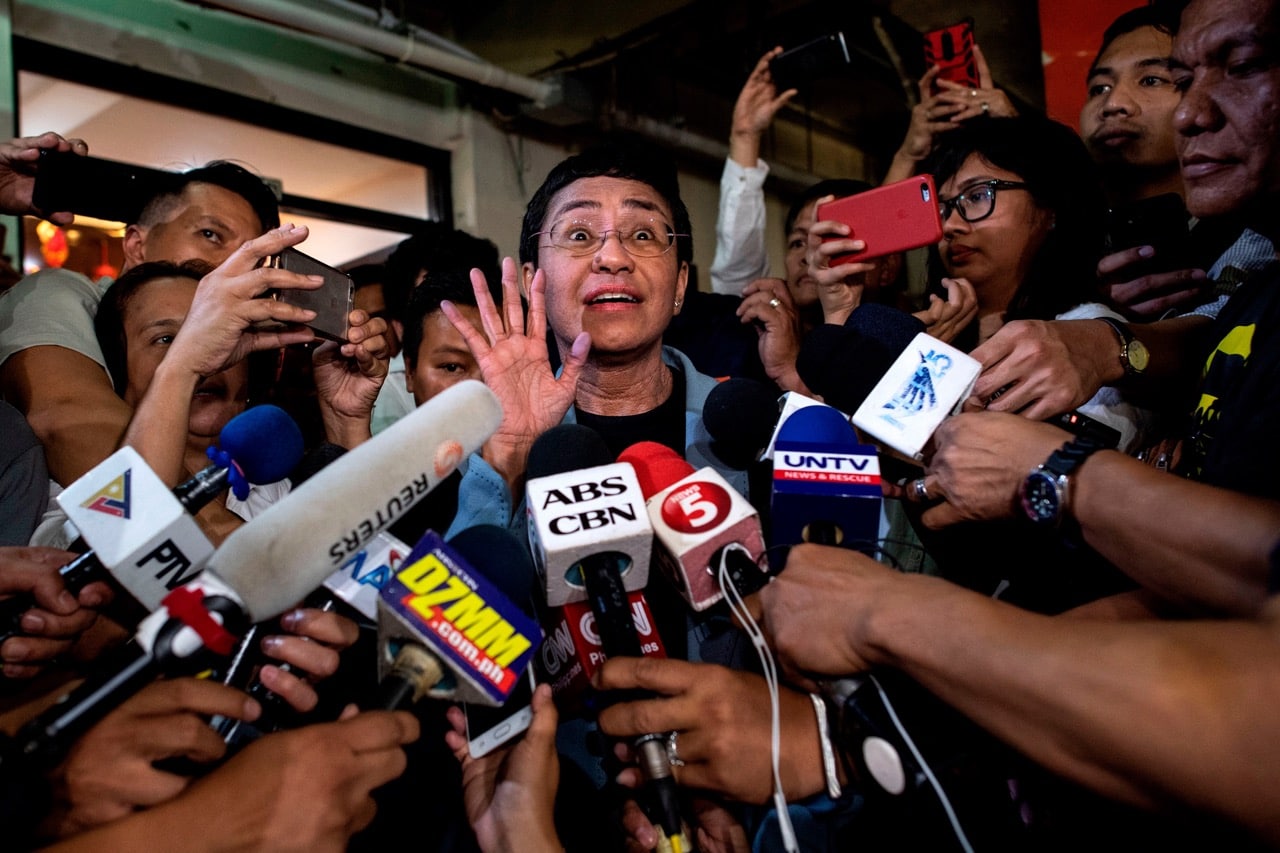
(673, 750)
(919, 491)
(986, 107)
(775, 302)
(973, 93)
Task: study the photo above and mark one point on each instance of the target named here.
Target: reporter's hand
(767, 304)
(510, 793)
(311, 649)
(57, 620)
(1148, 297)
(722, 721)
(19, 165)
(219, 329)
(348, 377)
(944, 319)
(110, 771)
(305, 790)
(977, 463)
(1043, 368)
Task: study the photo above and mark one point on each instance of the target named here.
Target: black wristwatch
(1044, 492)
(1134, 355)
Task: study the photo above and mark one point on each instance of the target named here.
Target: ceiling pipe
(402, 48)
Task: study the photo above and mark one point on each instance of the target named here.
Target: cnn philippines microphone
(573, 651)
(142, 533)
(453, 621)
(588, 528)
(273, 561)
(826, 486)
(695, 516)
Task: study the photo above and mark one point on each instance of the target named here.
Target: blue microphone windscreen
(264, 441)
(817, 424)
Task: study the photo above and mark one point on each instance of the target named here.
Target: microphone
(826, 486)
(588, 528)
(451, 631)
(843, 363)
(740, 415)
(274, 560)
(143, 535)
(573, 650)
(695, 515)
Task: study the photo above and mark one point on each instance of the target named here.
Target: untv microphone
(142, 533)
(273, 561)
(695, 515)
(588, 528)
(451, 631)
(826, 486)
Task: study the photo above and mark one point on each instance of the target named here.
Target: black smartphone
(1161, 222)
(91, 186)
(800, 66)
(332, 302)
(1085, 426)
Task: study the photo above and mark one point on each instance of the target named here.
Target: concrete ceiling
(682, 62)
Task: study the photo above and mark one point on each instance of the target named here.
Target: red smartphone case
(893, 218)
(951, 49)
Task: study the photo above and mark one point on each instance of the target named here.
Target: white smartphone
(489, 728)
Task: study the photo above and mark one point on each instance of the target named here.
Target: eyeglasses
(978, 202)
(642, 238)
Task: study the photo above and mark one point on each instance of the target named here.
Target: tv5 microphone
(695, 515)
(588, 528)
(451, 631)
(826, 486)
(273, 561)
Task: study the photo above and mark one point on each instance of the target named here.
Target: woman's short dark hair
(108, 323)
(624, 158)
(1051, 160)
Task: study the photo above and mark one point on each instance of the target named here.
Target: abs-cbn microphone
(695, 515)
(826, 486)
(273, 561)
(142, 533)
(588, 528)
(454, 621)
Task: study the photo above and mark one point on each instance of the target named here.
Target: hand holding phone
(332, 302)
(800, 66)
(89, 186)
(893, 218)
(950, 48)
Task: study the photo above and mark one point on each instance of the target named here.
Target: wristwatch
(1044, 491)
(1134, 355)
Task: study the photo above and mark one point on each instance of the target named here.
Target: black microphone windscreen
(842, 364)
(740, 415)
(566, 447)
(503, 559)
